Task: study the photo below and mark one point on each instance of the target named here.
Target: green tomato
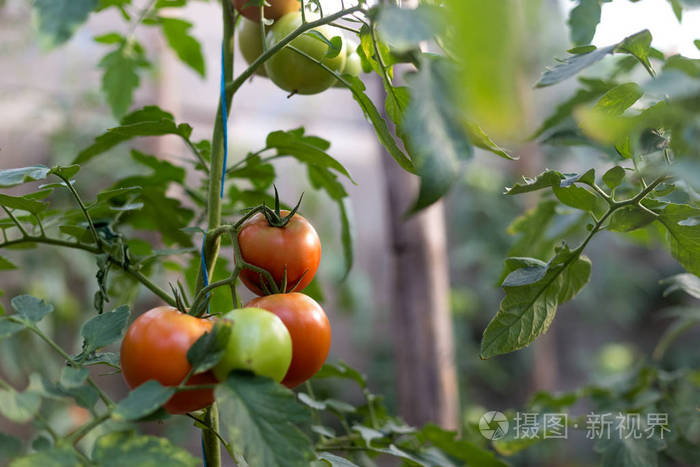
(294, 72)
(353, 64)
(250, 43)
(259, 342)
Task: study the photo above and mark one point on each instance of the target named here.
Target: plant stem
(14, 219)
(82, 208)
(212, 446)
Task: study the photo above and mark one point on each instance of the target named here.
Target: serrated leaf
(31, 308)
(104, 329)
(187, 48)
(120, 77)
(207, 351)
(61, 455)
(127, 448)
(638, 45)
(684, 240)
(527, 311)
(259, 417)
(436, 140)
(104, 358)
(143, 401)
(688, 283)
(613, 177)
(380, 126)
(583, 21)
(546, 179)
(14, 177)
(149, 121)
(576, 197)
(85, 396)
(58, 19)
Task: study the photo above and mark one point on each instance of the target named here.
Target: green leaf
(576, 197)
(629, 218)
(523, 271)
(9, 328)
(683, 236)
(149, 121)
(19, 407)
(209, 348)
(66, 172)
(14, 177)
(259, 417)
(72, 377)
(22, 203)
(120, 78)
(187, 48)
(527, 310)
(6, 264)
(143, 401)
(10, 447)
(30, 308)
(85, 396)
(638, 45)
(459, 449)
(677, 9)
(58, 19)
(261, 175)
(380, 126)
(583, 21)
(335, 461)
(688, 283)
(613, 177)
(347, 234)
(571, 65)
(626, 451)
(618, 99)
(546, 179)
(61, 455)
(104, 329)
(128, 448)
(104, 358)
(405, 28)
(436, 139)
(480, 139)
(341, 370)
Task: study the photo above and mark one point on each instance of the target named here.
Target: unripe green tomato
(250, 43)
(259, 343)
(294, 72)
(353, 64)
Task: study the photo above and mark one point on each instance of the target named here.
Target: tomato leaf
(613, 177)
(335, 461)
(149, 121)
(583, 21)
(30, 308)
(259, 417)
(9, 328)
(436, 139)
(14, 177)
(683, 234)
(187, 48)
(405, 28)
(72, 377)
(209, 348)
(60, 455)
(531, 302)
(21, 407)
(120, 78)
(341, 370)
(688, 283)
(58, 19)
(23, 203)
(104, 329)
(128, 448)
(347, 234)
(143, 401)
(459, 449)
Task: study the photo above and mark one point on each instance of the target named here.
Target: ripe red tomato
(308, 325)
(155, 347)
(294, 247)
(277, 9)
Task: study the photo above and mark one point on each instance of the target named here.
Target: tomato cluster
(293, 68)
(283, 336)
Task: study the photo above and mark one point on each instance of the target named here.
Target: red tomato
(277, 9)
(155, 347)
(308, 325)
(294, 247)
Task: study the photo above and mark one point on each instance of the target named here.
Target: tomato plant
(155, 348)
(259, 343)
(309, 329)
(444, 79)
(289, 250)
